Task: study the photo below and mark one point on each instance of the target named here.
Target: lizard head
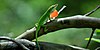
(53, 11)
(53, 7)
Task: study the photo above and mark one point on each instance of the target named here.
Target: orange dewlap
(54, 14)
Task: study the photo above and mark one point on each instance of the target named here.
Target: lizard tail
(37, 43)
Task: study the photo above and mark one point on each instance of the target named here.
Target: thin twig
(62, 9)
(90, 37)
(89, 13)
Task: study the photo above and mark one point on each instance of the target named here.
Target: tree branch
(32, 46)
(77, 21)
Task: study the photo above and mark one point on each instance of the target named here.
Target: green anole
(42, 20)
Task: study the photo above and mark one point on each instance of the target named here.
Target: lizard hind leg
(44, 28)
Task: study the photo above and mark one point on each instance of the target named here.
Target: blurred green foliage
(16, 16)
(94, 39)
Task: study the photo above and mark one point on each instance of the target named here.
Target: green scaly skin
(42, 20)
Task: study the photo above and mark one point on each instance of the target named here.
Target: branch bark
(32, 46)
(77, 21)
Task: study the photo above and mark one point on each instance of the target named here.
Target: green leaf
(93, 39)
(97, 30)
(86, 38)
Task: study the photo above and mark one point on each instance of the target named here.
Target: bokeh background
(17, 16)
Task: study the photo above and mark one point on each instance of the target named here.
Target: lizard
(43, 18)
